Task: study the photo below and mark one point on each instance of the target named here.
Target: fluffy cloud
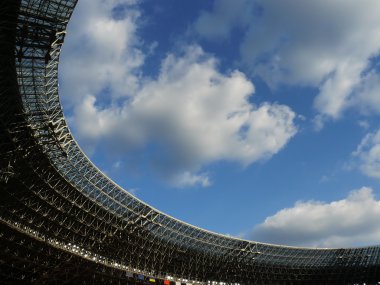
(101, 54)
(226, 16)
(348, 222)
(368, 94)
(325, 44)
(191, 115)
(368, 155)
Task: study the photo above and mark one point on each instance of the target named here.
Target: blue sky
(258, 119)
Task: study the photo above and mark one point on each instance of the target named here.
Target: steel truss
(63, 221)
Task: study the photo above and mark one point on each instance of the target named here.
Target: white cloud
(368, 155)
(186, 179)
(193, 115)
(364, 124)
(101, 51)
(368, 94)
(325, 44)
(319, 122)
(351, 221)
(226, 15)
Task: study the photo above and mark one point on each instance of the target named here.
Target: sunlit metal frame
(54, 197)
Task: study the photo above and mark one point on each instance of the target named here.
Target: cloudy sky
(258, 119)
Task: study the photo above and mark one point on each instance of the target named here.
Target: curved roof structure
(62, 220)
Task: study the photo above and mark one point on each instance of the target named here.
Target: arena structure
(62, 221)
